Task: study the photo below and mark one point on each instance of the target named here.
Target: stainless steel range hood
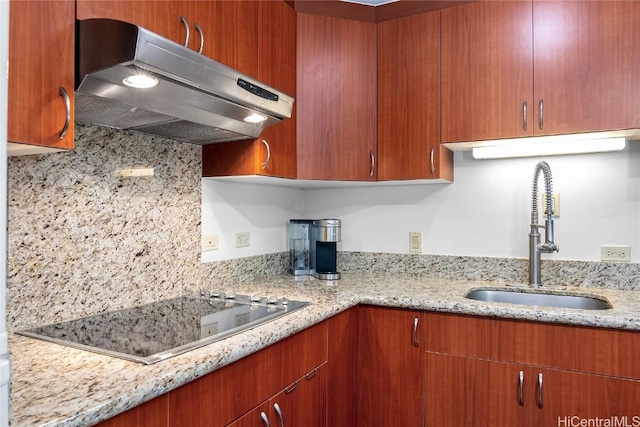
(196, 99)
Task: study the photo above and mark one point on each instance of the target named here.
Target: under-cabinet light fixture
(549, 147)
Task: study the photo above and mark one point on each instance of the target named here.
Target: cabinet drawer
(575, 348)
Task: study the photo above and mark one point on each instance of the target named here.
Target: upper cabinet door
(336, 129)
(487, 71)
(161, 17)
(231, 32)
(587, 65)
(277, 68)
(409, 99)
(41, 58)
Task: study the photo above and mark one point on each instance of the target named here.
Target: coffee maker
(299, 234)
(324, 237)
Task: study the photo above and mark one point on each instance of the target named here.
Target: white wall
(485, 212)
(262, 210)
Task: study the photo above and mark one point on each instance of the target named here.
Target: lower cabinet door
(257, 417)
(463, 391)
(303, 403)
(565, 398)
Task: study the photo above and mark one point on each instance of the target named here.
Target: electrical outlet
(415, 242)
(243, 239)
(555, 204)
(615, 253)
(209, 242)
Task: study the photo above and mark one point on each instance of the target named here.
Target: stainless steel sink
(542, 299)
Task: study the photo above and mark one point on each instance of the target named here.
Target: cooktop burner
(157, 331)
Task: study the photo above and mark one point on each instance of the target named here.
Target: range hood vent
(195, 99)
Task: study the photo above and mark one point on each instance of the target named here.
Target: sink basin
(537, 298)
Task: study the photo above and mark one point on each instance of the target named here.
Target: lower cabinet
(391, 367)
(302, 403)
(493, 372)
(375, 366)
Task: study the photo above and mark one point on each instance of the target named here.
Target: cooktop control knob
(255, 298)
(230, 295)
(272, 299)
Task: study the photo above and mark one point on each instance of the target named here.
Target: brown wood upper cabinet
(274, 152)
(41, 74)
(513, 69)
(409, 100)
(336, 75)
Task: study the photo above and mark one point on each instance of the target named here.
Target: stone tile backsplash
(83, 240)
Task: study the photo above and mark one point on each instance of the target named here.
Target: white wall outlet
(415, 242)
(243, 239)
(616, 253)
(555, 204)
(209, 242)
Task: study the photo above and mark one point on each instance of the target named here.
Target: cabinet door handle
(373, 163)
(540, 391)
(432, 162)
(524, 115)
(521, 389)
(541, 107)
(311, 374)
(291, 388)
(276, 408)
(415, 332)
(266, 162)
(265, 419)
(186, 27)
(67, 117)
(199, 30)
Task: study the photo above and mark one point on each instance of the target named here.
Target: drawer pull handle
(524, 115)
(416, 343)
(540, 391)
(265, 419)
(291, 388)
(521, 389)
(311, 374)
(186, 27)
(67, 117)
(276, 408)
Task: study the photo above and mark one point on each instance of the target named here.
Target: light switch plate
(415, 242)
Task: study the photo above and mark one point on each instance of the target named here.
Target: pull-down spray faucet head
(535, 247)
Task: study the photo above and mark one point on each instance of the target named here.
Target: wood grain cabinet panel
(514, 69)
(276, 67)
(391, 367)
(337, 81)
(486, 372)
(342, 383)
(586, 65)
(487, 71)
(154, 413)
(464, 391)
(161, 17)
(409, 100)
(41, 58)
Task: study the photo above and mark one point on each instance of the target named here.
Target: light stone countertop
(54, 385)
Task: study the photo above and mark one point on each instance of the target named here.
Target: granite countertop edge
(54, 385)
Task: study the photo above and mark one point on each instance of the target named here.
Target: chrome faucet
(535, 247)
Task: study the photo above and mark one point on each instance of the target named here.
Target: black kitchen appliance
(326, 234)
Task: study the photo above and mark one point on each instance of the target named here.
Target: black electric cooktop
(157, 331)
